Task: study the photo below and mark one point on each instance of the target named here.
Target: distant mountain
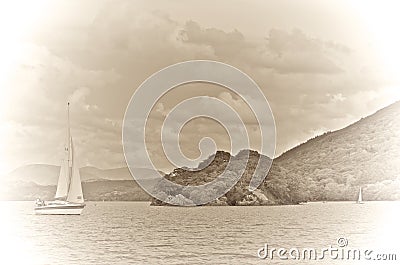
(40, 174)
(93, 174)
(329, 167)
(43, 174)
(108, 190)
(40, 180)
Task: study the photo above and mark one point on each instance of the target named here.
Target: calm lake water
(136, 233)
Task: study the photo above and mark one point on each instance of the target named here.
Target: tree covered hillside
(334, 165)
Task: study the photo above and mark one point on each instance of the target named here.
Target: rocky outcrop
(332, 166)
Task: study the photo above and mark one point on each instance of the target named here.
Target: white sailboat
(360, 200)
(69, 196)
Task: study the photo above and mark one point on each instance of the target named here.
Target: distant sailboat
(360, 200)
(69, 196)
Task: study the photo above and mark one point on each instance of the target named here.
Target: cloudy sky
(321, 64)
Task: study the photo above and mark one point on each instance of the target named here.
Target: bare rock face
(245, 161)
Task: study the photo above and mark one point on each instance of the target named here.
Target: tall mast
(70, 161)
(68, 143)
(68, 127)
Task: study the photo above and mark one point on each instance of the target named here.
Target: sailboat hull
(60, 209)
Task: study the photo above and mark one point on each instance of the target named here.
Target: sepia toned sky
(322, 65)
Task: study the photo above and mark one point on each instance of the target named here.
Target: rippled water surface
(136, 233)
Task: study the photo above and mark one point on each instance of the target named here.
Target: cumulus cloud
(36, 115)
(98, 61)
(284, 52)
